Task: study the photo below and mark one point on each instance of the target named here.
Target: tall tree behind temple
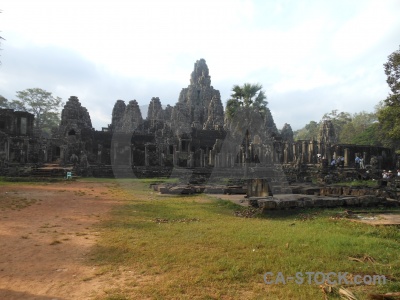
(308, 132)
(247, 107)
(359, 128)
(389, 114)
(359, 123)
(3, 102)
(338, 119)
(247, 96)
(42, 104)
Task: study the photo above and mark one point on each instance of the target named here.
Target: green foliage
(390, 121)
(247, 96)
(3, 102)
(359, 128)
(354, 131)
(309, 132)
(42, 104)
(338, 120)
(232, 107)
(388, 114)
(370, 136)
(392, 71)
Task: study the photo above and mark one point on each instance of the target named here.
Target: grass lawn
(194, 247)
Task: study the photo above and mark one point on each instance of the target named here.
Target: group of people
(389, 174)
(338, 162)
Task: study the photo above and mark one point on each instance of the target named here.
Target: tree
(247, 96)
(359, 123)
(370, 136)
(389, 112)
(247, 113)
(338, 120)
(392, 71)
(3, 102)
(42, 104)
(308, 132)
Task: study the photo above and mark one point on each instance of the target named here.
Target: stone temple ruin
(192, 137)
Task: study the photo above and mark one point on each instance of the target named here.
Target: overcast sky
(310, 56)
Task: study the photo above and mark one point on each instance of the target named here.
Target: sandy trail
(46, 232)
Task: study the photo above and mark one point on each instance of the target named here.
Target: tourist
(333, 163)
(398, 172)
(357, 161)
(384, 174)
(361, 163)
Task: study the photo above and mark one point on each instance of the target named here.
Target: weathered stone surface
(215, 118)
(74, 117)
(132, 120)
(117, 115)
(198, 95)
(270, 123)
(155, 112)
(327, 133)
(180, 119)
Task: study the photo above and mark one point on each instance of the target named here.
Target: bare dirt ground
(46, 232)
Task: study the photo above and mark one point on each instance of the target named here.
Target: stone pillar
(62, 154)
(294, 152)
(175, 157)
(45, 157)
(99, 149)
(346, 157)
(26, 146)
(132, 158)
(304, 155)
(7, 149)
(311, 152)
(216, 161)
(211, 158)
(328, 154)
(201, 158)
(191, 160)
(221, 160)
(321, 149)
(162, 159)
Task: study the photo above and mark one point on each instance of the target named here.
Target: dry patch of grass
(11, 201)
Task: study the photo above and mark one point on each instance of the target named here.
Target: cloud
(310, 56)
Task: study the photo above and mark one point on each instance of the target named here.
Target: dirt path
(46, 232)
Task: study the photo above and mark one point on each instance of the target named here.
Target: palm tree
(247, 96)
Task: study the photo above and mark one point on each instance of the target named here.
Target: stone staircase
(51, 170)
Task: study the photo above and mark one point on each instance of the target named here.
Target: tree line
(378, 128)
(42, 104)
